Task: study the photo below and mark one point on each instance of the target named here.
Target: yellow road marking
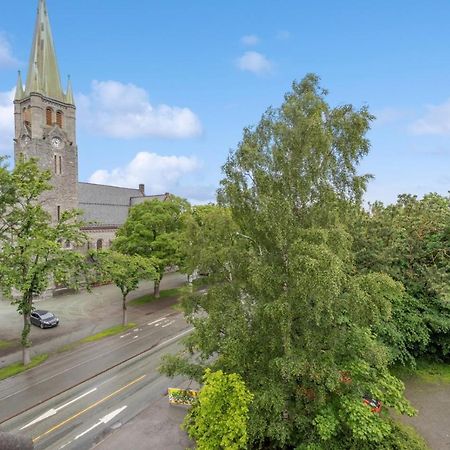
(59, 425)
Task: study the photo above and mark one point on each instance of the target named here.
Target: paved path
(156, 427)
(432, 400)
(81, 314)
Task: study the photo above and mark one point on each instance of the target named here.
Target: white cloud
(435, 121)
(6, 121)
(250, 39)
(122, 110)
(159, 173)
(6, 57)
(254, 62)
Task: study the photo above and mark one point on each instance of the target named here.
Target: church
(45, 129)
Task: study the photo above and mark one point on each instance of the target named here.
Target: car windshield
(48, 315)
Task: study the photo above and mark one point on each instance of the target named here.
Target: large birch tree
(295, 319)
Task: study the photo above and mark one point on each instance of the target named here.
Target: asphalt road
(64, 403)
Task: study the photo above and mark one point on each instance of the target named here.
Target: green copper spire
(19, 88)
(69, 93)
(43, 73)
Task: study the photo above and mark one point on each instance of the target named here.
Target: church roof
(43, 73)
(109, 205)
(105, 205)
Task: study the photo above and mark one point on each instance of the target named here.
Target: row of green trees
(312, 298)
(36, 254)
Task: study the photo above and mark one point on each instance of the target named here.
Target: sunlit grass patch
(14, 369)
(108, 332)
(427, 370)
(151, 298)
(5, 344)
(433, 371)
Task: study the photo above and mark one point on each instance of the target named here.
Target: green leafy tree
(209, 236)
(153, 229)
(124, 271)
(296, 319)
(410, 241)
(33, 253)
(218, 420)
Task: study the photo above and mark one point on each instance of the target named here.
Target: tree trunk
(25, 341)
(124, 310)
(156, 290)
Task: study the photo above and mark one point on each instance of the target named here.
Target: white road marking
(156, 321)
(136, 329)
(135, 337)
(103, 420)
(53, 411)
(157, 325)
(124, 335)
(167, 324)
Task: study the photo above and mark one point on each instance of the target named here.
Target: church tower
(44, 118)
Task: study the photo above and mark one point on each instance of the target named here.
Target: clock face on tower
(57, 143)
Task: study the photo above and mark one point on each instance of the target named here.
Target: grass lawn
(5, 344)
(108, 332)
(150, 297)
(431, 371)
(16, 368)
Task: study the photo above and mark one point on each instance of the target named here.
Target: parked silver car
(44, 319)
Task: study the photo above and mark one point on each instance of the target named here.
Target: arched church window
(49, 116)
(59, 118)
(99, 244)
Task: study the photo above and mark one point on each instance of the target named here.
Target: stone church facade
(45, 129)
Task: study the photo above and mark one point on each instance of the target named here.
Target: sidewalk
(155, 428)
(81, 314)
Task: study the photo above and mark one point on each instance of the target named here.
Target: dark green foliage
(410, 241)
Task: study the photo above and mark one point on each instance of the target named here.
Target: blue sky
(188, 76)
